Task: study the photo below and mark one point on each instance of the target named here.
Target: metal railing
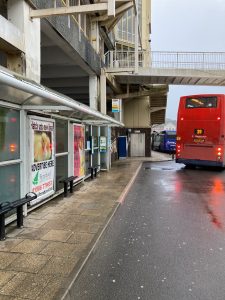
(124, 59)
(167, 60)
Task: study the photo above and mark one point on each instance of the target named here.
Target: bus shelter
(46, 136)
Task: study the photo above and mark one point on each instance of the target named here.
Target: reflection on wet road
(208, 184)
(166, 242)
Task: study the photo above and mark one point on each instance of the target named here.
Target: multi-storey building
(143, 105)
(54, 86)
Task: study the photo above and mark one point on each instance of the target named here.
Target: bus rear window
(201, 102)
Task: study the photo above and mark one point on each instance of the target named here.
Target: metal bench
(6, 207)
(94, 170)
(65, 184)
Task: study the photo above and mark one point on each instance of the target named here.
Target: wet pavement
(42, 260)
(165, 242)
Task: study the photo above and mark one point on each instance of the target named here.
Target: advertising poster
(42, 145)
(79, 153)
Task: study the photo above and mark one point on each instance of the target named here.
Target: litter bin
(122, 147)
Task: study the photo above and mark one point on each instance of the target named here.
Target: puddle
(159, 169)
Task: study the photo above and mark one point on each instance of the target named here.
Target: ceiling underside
(61, 70)
(174, 77)
(65, 73)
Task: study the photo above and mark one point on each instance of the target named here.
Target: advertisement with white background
(42, 156)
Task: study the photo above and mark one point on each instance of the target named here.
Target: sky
(188, 25)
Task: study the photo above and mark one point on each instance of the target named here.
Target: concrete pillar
(109, 135)
(18, 14)
(150, 123)
(122, 111)
(101, 49)
(93, 92)
(103, 105)
(146, 24)
(99, 154)
(146, 59)
(16, 62)
(106, 156)
(95, 36)
(111, 59)
(150, 116)
(136, 42)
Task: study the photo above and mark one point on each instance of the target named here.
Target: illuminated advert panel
(78, 150)
(42, 157)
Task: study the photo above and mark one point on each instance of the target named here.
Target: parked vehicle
(165, 141)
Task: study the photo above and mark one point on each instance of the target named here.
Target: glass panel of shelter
(9, 154)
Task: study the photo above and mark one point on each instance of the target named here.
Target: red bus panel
(201, 130)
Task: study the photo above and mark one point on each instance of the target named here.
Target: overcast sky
(188, 25)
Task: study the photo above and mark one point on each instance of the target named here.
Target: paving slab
(40, 261)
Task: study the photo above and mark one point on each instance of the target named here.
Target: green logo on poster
(35, 181)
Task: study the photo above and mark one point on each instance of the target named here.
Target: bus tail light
(178, 150)
(219, 152)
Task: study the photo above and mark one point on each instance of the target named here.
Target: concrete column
(150, 116)
(95, 36)
(111, 59)
(146, 59)
(99, 154)
(106, 156)
(111, 8)
(122, 112)
(109, 147)
(103, 106)
(91, 134)
(18, 14)
(93, 92)
(16, 62)
(136, 42)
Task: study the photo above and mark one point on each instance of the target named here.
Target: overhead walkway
(178, 68)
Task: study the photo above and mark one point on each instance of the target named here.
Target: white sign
(115, 105)
(42, 154)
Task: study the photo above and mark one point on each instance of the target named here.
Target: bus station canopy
(29, 95)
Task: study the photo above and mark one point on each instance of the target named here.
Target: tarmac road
(165, 242)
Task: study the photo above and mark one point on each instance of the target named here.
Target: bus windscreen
(171, 135)
(201, 102)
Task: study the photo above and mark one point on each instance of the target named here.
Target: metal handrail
(188, 60)
(167, 60)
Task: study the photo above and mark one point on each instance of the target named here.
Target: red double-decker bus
(201, 130)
